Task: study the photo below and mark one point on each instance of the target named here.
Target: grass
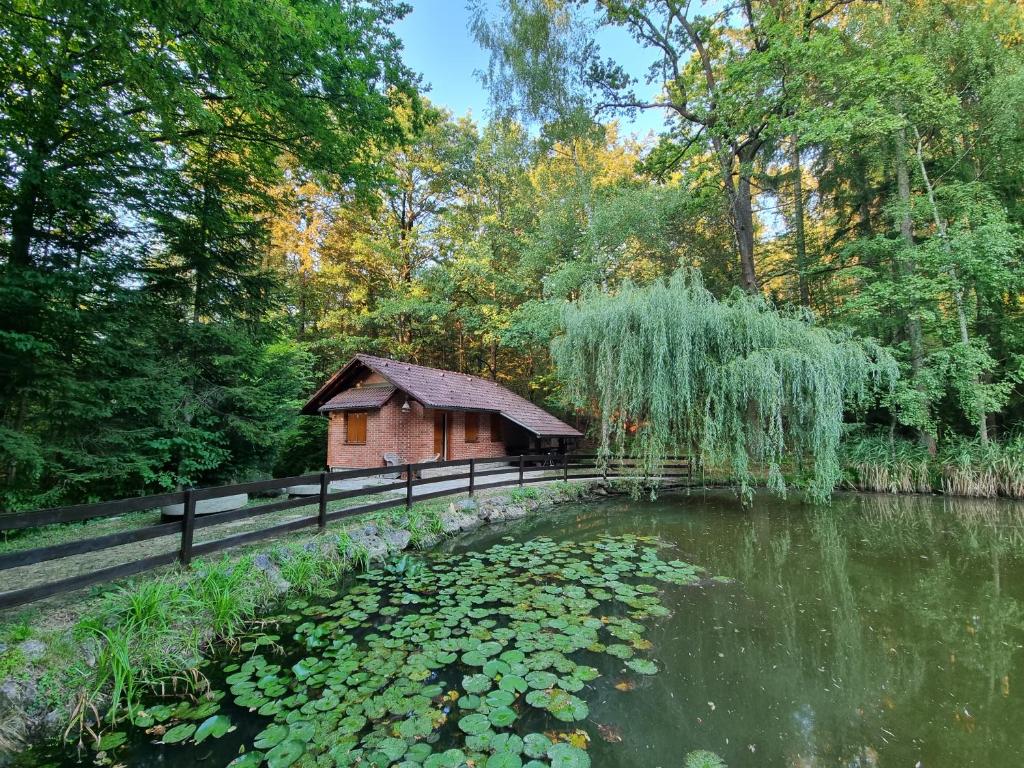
(960, 468)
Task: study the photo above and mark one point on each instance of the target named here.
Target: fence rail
(523, 469)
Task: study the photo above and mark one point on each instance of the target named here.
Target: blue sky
(439, 45)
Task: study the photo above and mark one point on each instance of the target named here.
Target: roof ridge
(433, 368)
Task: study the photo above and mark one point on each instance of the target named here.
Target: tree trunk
(743, 213)
(23, 221)
(958, 290)
(906, 267)
(798, 226)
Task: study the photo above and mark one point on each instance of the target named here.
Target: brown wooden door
(441, 434)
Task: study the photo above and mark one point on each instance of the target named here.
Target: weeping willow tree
(745, 386)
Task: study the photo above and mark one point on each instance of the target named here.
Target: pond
(880, 631)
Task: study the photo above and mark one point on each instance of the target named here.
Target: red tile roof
(359, 398)
(447, 390)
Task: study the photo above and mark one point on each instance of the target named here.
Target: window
(495, 427)
(472, 427)
(355, 427)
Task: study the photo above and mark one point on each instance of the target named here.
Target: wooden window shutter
(355, 427)
(495, 427)
(472, 427)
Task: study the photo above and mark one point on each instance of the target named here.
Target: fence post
(408, 486)
(472, 475)
(188, 524)
(520, 469)
(565, 467)
(321, 519)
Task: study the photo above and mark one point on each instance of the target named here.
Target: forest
(207, 207)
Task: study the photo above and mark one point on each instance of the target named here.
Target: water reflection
(879, 631)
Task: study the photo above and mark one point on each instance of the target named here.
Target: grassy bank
(83, 668)
(959, 468)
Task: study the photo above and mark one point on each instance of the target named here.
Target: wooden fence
(523, 469)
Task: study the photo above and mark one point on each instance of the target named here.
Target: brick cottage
(377, 406)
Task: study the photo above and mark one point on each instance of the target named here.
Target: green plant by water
(472, 659)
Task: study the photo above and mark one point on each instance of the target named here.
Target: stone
(263, 562)
(466, 505)
(208, 506)
(376, 547)
(312, 489)
(20, 693)
(397, 539)
(279, 583)
(514, 512)
(453, 521)
(32, 650)
(430, 540)
(369, 529)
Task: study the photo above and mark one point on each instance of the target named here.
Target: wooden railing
(527, 468)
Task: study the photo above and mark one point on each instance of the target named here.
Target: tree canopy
(673, 371)
(206, 208)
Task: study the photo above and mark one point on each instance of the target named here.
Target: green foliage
(671, 370)
(141, 343)
(524, 494)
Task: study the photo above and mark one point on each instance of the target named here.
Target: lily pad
(271, 736)
(502, 717)
(286, 753)
(179, 733)
(643, 666)
(247, 760)
(563, 755)
(215, 726)
(536, 745)
(111, 741)
(474, 724)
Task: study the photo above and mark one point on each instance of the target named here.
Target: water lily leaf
(540, 679)
(564, 755)
(502, 717)
(474, 724)
(496, 667)
(393, 748)
(452, 758)
(476, 683)
(619, 651)
(111, 741)
(643, 666)
(285, 753)
(536, 745)
(351, 724)
(563, 706)
(215, 726)
(504, 760)
(513, 683)
(499, 698)
(247, 760)
(271, 736)
(507, 742)
(179, 733)
(418, 752)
